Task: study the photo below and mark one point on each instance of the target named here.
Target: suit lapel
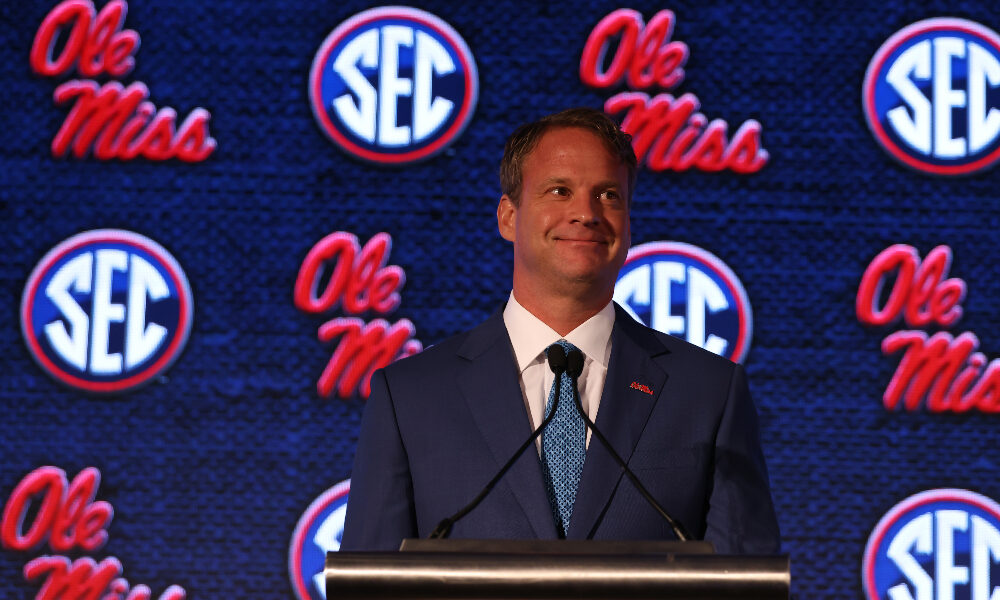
(491, 390)
(622, 416)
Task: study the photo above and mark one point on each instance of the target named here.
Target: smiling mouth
(581, 240)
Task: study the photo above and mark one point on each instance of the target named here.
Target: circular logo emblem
(106, 310)
(318, 531)
(936, 544)
(393, 85)
(930, 96)
(685, 291)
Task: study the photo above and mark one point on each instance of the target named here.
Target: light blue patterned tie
(564, 446)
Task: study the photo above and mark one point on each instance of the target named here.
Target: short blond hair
(524, 139)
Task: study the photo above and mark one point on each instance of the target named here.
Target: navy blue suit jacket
(439, 425)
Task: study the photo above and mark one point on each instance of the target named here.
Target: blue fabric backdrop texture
(210, 465)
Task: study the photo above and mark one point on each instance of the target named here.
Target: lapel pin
(642, 388)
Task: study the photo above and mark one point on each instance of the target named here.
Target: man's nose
(585, 208)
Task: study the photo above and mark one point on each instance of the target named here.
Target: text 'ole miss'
(112, 120)
(359, 281)
(947, 371)
(70, 519)
(667, 132)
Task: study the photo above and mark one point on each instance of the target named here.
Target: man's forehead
(552, 142)
(559, 131)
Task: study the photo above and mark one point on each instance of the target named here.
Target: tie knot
(559, 357)
(564, 357)
(566, 346)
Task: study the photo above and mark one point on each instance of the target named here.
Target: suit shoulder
(679, 350)
(430, 357)
(451, 351)
(665, 345)
(676, 344)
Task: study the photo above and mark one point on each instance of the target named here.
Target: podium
(544, 569)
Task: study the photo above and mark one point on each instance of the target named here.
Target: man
(438, 425)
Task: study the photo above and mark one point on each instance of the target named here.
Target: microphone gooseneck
(556, 356)
(574, 367)
(572, 364)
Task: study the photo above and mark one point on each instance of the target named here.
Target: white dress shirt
(530, 337)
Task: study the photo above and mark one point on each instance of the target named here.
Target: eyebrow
(551, 180)
(609, 183)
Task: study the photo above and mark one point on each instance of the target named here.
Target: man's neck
(562, 313)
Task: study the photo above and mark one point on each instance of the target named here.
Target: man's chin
(590, 279)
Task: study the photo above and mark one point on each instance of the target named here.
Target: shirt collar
(530, 336)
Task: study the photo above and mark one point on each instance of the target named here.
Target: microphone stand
(557, 362)
(572, 365)
(574, 368)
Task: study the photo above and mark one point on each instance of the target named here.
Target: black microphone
(557, 362)
(574, 367)
(574, 364)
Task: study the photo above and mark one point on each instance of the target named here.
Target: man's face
(571, 228)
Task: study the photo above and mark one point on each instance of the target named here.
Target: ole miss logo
(318, 531)
(931, 96)
(685, 291)
(936, 544)
(106, 310)
(393, 85)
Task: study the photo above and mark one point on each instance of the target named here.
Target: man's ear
(506, 213)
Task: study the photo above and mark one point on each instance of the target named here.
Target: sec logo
(935, 545)
(318, 531)
(106, 310)
(930, 96)
(685, 291)
(393, 85)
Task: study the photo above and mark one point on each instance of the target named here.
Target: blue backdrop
(210, 465)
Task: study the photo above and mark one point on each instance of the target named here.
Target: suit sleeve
(741, 518)
(380, 510)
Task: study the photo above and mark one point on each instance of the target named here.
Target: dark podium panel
(581, 570)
